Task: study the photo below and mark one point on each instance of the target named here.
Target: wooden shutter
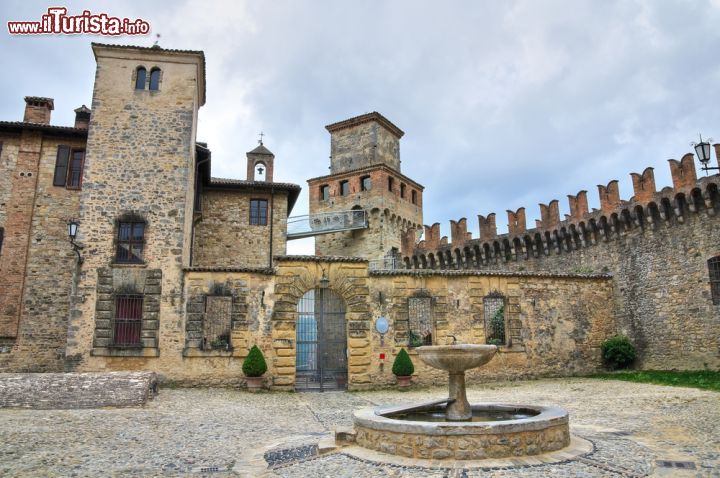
(61, 165)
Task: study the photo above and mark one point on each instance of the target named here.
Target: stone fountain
(454, 429)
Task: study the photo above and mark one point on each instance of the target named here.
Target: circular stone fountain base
(381, 429)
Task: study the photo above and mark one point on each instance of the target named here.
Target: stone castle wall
(224, 236)
(140, 165)
(656, 246)
(363, 145)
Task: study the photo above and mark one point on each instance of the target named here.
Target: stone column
(459, 410)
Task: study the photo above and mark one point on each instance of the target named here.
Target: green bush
(403, 366)
(617, 352)
(254, 364)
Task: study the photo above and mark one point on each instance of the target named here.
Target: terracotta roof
(41, 99)
(156, 49)
(66, 130)
(293, 190)
(366, 118)
(320, 259)
(261, 150)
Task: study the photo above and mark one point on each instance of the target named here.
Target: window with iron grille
(714, 269)
(420, 321)
(494, 306)
(130, 242)
(127, 321)
(217, 323)
(258, 212)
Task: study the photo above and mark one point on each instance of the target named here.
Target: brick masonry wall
(224, 236)
(76, 390)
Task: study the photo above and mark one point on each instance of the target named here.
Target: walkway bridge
(326, 223)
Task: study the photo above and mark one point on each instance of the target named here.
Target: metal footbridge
(310, 225)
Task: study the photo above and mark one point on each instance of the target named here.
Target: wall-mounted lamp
(72, 228)
(702, 150)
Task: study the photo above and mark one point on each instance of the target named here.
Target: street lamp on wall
(72, 228)
(702, 151)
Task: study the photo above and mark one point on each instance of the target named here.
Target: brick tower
(365, 175)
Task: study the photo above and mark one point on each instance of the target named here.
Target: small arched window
(155, 79)
(714, 269)
(140, 75)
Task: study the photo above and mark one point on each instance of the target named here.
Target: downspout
(272, 216)
(195, 201)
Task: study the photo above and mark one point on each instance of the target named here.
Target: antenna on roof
(157, 39)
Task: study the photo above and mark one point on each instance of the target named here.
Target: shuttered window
(61, 165)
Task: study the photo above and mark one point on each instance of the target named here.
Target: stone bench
(76, 390)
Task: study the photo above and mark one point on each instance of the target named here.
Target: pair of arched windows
(141, 78)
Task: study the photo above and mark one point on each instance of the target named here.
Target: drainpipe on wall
(272, 216)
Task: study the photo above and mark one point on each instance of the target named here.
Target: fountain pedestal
(459, 410)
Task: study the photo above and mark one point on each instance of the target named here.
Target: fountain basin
(456, 358)
(548, 430)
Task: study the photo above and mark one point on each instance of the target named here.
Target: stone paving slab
(193, 432)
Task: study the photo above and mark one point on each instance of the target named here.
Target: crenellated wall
(656, 245)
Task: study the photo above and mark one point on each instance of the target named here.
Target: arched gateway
(321, 339)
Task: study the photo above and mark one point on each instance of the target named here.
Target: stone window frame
(497, 295)
(713, 265)
(324, 192)
(254, 217)
(105, 311)
(158, 70)
(425, 295)
(134, 79)
(195, 311)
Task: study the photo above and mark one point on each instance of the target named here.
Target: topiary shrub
(254, 364)
(403, 366)
(617, 352)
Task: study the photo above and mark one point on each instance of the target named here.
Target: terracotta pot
(254, 383)
(403, 381)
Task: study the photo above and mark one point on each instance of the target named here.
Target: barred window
(714, 269)
(494, 306)
(130, 242)
(420, 321)
(127, 321)
(258, 212)
(217, 323)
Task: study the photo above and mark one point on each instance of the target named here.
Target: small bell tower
(260, 163)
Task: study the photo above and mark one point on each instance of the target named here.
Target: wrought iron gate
(321, 362)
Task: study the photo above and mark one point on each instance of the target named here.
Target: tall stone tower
(137, 201)
(365, 175)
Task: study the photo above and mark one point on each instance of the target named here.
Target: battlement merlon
(686, 188)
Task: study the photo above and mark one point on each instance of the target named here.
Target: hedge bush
(403, 366)
(618, 352)
(254, 364)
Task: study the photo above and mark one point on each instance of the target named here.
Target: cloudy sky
(504, 103)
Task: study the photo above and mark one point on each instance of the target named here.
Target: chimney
(37, 109)
(82, 117)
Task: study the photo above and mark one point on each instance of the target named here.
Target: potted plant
(403, 368)
(254, 367)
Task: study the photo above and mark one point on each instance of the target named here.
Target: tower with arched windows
(365, 176)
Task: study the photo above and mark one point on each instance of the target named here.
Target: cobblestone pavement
(221, 432)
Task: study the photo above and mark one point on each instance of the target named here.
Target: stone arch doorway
(321, 342)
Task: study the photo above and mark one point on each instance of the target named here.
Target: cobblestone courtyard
(221, 432)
